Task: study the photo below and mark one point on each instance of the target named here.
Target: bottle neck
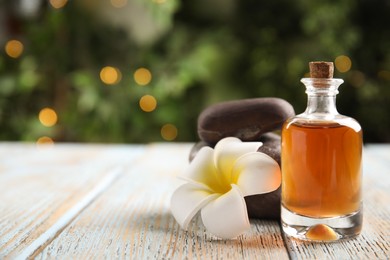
(321, 102)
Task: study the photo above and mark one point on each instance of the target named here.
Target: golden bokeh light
(169, 132)
(57, 4)
(45, 141)
(48, 117)
(343, 63)
(118, 3)
(14, 48)
(142, 76)
(148, 103)
(110, 75)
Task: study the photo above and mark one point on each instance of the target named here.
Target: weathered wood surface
(43, 189)
(94, 201)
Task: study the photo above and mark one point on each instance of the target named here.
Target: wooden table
(80, 201)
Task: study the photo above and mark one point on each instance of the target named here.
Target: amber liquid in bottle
(322, 168)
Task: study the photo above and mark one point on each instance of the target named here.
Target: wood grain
(43, 189)
(374, 241)
(132, 220)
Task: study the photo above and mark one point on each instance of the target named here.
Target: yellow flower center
(222, 185)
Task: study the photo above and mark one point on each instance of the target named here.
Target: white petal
(257, 173)
(228, 150)
(187, 200)
(226, 216)
(202, 170)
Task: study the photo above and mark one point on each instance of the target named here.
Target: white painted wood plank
(68, 216)
(132, 220)
(43, 189)
(374, 242)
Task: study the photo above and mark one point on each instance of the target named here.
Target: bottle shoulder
(328, 121)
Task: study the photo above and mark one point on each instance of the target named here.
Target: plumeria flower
(218, 180)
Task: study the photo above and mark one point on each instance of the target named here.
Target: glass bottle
(321, 165)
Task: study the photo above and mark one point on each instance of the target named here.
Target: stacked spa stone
(250, 120)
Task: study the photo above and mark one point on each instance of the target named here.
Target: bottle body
(321, 171)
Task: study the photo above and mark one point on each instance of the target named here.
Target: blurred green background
(142, 70)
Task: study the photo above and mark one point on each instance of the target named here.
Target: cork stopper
(321, 69)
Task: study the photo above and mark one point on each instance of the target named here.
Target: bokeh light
(45, 141)
(357, 78)
(14, 48)
(343, 63)
(110, 75)
(384, 74)
(148, 103)
(57, 4)
(48, 117)
(142, 76)
(169, 132)
(118, 3)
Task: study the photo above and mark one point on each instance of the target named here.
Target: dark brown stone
(264, 206)
(246, 119)
(271, 145)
